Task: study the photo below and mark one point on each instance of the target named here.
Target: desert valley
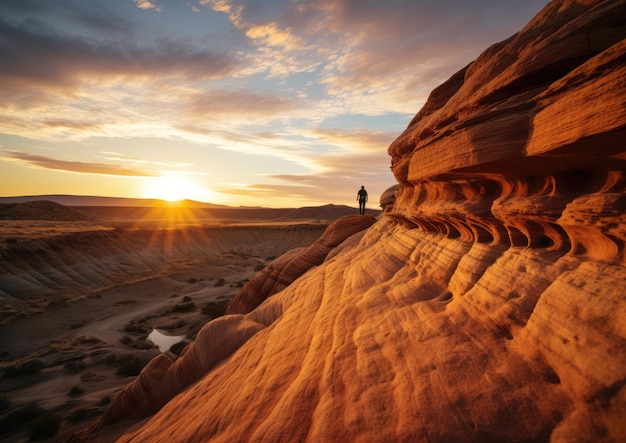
(484, 302)
(90, 294)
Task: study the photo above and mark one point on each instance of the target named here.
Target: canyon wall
(485, 304)
(60, 267)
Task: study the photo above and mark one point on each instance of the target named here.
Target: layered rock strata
(286, 269)
(163, 378)
(488, 303)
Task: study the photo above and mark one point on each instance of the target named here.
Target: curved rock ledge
(287, 268)
(524, 147)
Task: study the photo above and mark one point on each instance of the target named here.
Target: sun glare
(174, 188)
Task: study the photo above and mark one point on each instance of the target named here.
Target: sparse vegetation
(129, 366)
(74, 367)
(81, 414)
(184, 307)
(45, 426)
(220, 282)
(142, 343)
(214, 309)
(76, 391)
(137, 328)
(29, 367)
(5, 403)
(172, 325)
(177, 348)
(20, 416)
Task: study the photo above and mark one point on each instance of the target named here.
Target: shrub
(20, 416)
(45, 426)
(126, 340)
(74, 367)
(75, 391)
(137, 328)
(130, 366)
(177, 348)
(214, 309)
(5, 403)
(184, 307)
(220, 282)
(27, 368)
(82, 414)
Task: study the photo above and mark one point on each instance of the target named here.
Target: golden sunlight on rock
(485, 304)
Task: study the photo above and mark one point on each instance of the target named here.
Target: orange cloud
(40, 161)
(147, 4)
(361, 139)
(239, 103)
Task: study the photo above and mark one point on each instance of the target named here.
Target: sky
(275, 103)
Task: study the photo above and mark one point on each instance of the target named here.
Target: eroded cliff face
(487, 303)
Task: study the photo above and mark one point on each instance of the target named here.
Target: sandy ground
(85, 351)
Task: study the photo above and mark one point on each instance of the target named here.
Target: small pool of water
(164, 341)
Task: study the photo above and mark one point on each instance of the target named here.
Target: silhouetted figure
(361, 196)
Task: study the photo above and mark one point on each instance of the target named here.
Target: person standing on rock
(361, 196)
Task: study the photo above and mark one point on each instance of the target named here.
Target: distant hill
(86, 200)
(75, 207)
(40, 210)
(327, 212)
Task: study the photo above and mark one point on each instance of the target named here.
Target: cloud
(360, 139)
(36, 56)
(359, 45)
(147, 4)
(40, 161)
(239, 103)
(118, 157)
(71, 124)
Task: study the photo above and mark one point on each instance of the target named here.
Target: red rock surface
(487, 305)
(286, 269)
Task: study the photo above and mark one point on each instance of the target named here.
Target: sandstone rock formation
(388, 198)
(283, 271)
(487, 304)
(162, 378)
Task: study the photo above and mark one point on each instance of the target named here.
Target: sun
(174, 188)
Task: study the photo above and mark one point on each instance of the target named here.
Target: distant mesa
(130, 208)
(87, 200)
(41, 210)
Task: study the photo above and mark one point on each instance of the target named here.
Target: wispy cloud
(356, 139)
(300, 98)
(40, 161)
(118, 157)
(239, 103)
(147, 4)
(41, 57)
